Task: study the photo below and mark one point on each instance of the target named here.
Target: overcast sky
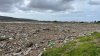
(61, 10)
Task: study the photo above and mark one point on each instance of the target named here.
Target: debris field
(31, 39)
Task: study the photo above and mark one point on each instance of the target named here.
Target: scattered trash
(71, 37)
(44, 49)
(10, 38)
(3, 38)
(51, 43)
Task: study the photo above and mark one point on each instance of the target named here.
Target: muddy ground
(31, 39)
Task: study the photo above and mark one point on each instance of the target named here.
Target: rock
(40, 54)
(18, 50)
(66, 40)
(0, 50)
(46, 29)
(42, 42)
(30, 44)
(36, 45)
(27, 51)
(37, 31)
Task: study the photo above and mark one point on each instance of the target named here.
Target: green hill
(81, 46)
(11, 19)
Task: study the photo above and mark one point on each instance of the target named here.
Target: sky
(50, 10)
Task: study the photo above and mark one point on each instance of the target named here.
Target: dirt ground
(31, 39)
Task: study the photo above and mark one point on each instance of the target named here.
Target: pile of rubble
(29, 39)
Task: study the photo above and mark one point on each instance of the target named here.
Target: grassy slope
(81, 46)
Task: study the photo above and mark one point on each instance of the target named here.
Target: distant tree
(82, 22)
(55, 21)
(98, 22)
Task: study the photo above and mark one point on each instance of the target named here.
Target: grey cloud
(53, 5)
(7, 5)
(94, 2)
(36, 5)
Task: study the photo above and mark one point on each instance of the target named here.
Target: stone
(10, 38)
(0, 50)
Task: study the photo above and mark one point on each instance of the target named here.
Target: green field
(81, 46)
